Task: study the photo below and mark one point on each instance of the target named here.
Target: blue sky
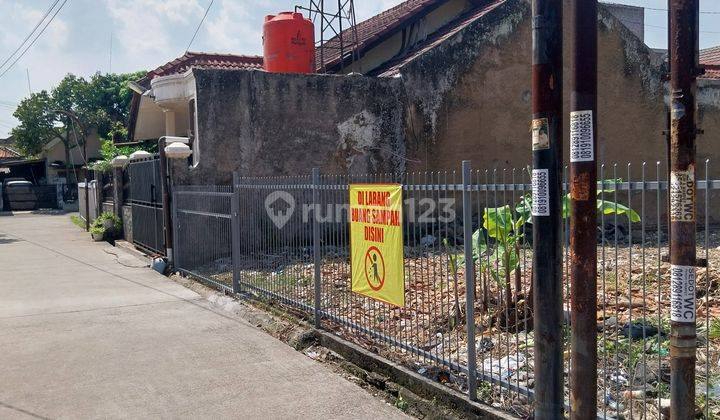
(148, 33)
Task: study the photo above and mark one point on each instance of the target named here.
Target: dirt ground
(632, 314)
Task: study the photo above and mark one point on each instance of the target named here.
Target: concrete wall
(479, 106)
(632, 17)
(467, 98)
(127, 223)
(285, 124)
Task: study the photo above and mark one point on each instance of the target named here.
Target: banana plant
(496, 247)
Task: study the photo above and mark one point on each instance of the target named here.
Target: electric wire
(199, 25)
(34, 39)
(50, 9)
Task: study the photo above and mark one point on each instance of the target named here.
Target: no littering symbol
(374, 268)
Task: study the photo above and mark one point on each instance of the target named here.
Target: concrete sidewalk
(85, 336)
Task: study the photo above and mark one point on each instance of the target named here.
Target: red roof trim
(204, 60)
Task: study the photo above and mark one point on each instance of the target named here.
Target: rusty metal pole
(583, 211)
(684, 69)
(547, 79)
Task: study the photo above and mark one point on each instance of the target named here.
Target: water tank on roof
(288, 43)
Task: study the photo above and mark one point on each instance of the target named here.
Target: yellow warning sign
(376, 242)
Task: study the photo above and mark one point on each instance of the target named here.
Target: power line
(34, 39)
(30, 34)
(659, 9)
(198, 27)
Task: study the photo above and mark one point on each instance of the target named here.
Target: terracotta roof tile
(710, 57)
(206, 61)
(7, 153)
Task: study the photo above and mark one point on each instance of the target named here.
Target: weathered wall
(265, 124)
(479, 106)
(127, 223)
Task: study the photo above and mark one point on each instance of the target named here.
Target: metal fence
(287, 239)
(146, 203)
(30, 197)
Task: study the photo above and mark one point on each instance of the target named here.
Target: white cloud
(231, 28)
(145, 26)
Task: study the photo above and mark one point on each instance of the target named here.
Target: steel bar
(235, 232)
(684, 39)
(583, 211)
(316, 243)
(469, 280)
(547, 76)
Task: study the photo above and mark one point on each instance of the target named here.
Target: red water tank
(288, 43)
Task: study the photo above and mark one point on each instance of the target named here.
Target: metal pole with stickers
(684, 39)
(583, 210)
(547, 66)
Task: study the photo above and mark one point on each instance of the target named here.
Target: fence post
(316, 242)
(118, 190)
(175, 227)
(235, 232)
(469, 280)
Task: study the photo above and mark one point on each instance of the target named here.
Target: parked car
(19, 194)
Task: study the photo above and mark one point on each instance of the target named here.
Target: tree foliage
(101, 102)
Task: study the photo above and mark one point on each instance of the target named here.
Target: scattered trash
(504, 367)
(638, 330)
(435, 373)
(159, 265)
(608, 323)
(486, 344)
(427, 240)
(619, 379)
(613, 404)
(636, 394)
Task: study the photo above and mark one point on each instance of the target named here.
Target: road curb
(413, 381)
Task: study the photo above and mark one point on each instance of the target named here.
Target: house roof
(188, 61)
(376, 29)
(203, 60)
(710, 58)
(392, 67)
(8, 153)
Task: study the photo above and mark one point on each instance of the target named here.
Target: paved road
(83, 336)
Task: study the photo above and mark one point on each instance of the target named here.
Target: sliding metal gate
(146, 203)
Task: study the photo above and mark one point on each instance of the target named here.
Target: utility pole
(27, 72)
(547, 72)
(73, 117)
(583, 211)
(684, 69)
(111, 42)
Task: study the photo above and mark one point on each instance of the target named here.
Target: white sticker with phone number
(581, 136)
(682, 293)
(540, 193)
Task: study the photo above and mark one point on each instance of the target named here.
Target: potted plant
(106, 227)
(97, 231)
